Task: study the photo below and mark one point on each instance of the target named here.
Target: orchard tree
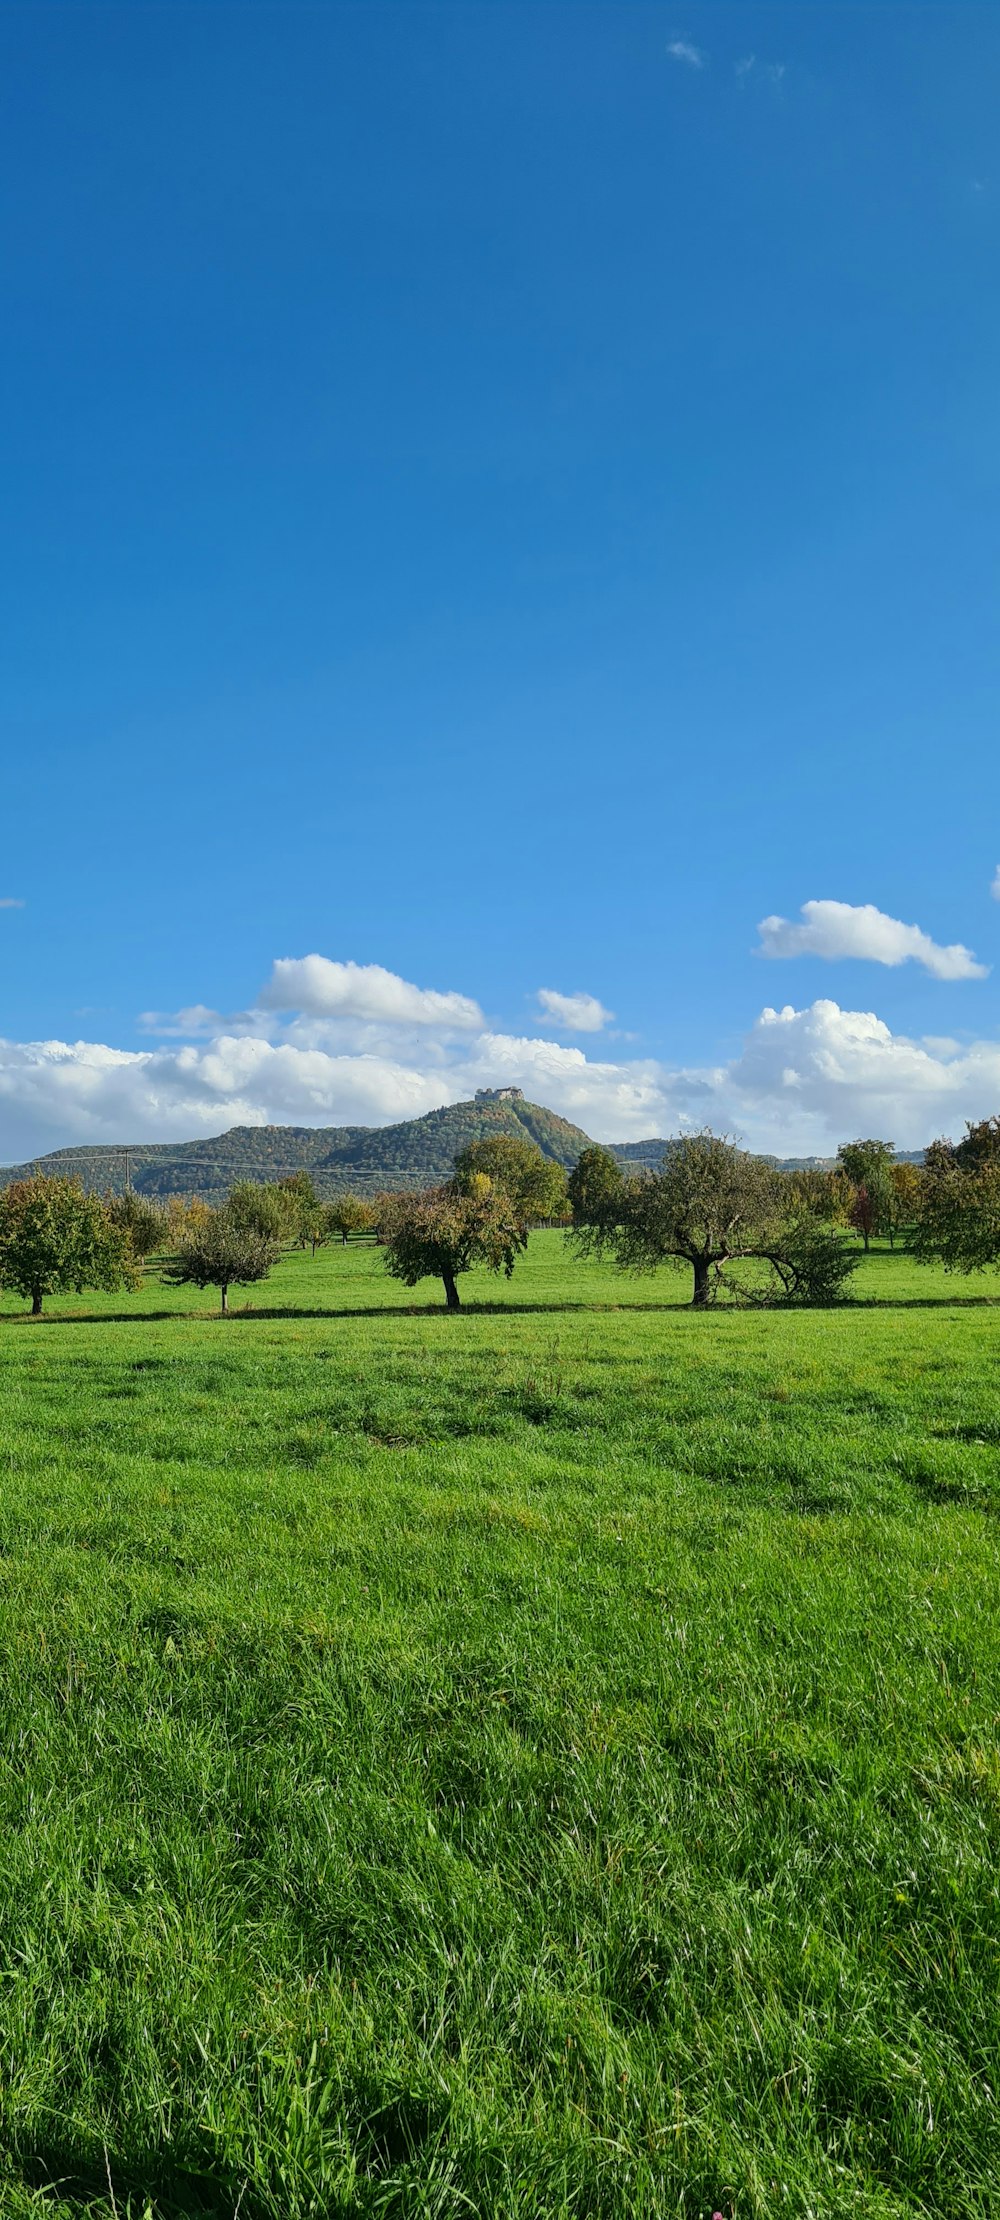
(534, 1183)
(863, 1214)
(904, 1202)
(350, 1214)
(264, 1209)
(959, 1219)
(707, 1202)
(595, 1190)
(869, 1167)
(143, 1220)
(54, 1238)
(301, 1203)
(224, 1251)
(442, 1233)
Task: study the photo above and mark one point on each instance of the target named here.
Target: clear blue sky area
(488, 495)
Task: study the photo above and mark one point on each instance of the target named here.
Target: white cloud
(843, 929)
(995, 888)
(322, 988)
(182, 1024)
(681, 50)
(577, 1013)
(11, 902)
(803, 1079)
(828, 1073)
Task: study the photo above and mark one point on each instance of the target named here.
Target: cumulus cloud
(802, 1081)
(335, 1044)
(322, 988)
(681, 50)
(835, 930)
(830, 1072)
(577, 1013)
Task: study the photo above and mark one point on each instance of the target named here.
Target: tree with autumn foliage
(534, 1183)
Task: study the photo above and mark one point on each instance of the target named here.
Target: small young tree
(863, 1217)
(223, 1252)
(535, 1184)
(350, 1214)
(869, 1167)
(54, 1238)
(442, 1233)
(706, 1203)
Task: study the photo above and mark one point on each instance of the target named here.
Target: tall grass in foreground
(540, 1762)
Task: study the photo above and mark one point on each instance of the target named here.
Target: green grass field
(538, 1762)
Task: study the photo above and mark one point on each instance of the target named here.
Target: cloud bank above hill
(330, 1043)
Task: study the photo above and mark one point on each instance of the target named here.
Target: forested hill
(361, 1158)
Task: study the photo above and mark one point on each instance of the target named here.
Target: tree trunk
(36, 1302)
(225, 1299)
(450, 1291)
(701, 1282)
(864, 1236)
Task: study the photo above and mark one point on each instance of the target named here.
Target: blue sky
(503, 497)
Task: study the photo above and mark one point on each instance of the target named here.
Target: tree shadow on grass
(100, 2187)
(251, 1314)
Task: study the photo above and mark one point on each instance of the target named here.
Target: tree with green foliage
(868, 1165)
(595, 1188)
(301, 1205)
(903, 1207)
(143, 1220)
(55, 1238)
(707, 1203)
(534, 1183)
(264, 1208)
(958, 1224)
(811, 1264)
(443, 1232)
(225, 1250)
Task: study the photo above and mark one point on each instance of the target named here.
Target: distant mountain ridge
(419, 1152)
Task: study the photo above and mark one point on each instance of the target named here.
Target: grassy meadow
(538, 1762)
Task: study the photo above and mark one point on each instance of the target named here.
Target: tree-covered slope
(417, 1153)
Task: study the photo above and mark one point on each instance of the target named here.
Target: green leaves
(54, 1238)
